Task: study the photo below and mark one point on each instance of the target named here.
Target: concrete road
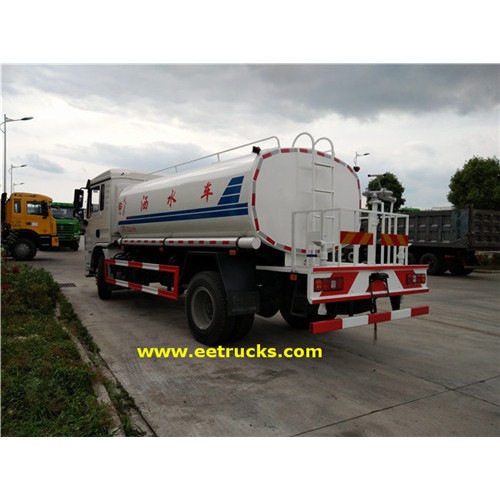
(436, 375)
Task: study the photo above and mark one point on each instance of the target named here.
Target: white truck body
(301, 204)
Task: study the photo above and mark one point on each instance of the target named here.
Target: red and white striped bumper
(367, 319)
(168, 294)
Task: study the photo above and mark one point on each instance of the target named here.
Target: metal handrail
(304, 133)
(331, 144)
(386, 222)
(216, 154)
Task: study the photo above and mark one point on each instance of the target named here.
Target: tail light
(415, 279)
(328, 284)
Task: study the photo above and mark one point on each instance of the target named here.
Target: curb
(102, 394)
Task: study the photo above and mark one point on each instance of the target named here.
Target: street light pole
(4, 131)
(12, 167)
(358, 155)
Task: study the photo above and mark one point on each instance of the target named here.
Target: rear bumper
(366, 319)
(356, 282)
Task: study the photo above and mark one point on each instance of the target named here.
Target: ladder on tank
(320, 159)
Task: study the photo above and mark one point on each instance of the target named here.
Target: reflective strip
(219, 242)
(368, 319)
(170, 294)
(394, 240)
(353, 238)
(141, 241)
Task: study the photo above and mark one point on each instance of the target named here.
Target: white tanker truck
(276, 229)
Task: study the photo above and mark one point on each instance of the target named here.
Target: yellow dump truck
(27, 225)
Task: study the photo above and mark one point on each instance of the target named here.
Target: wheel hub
(202, 308)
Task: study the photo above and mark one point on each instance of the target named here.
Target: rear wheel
(298, 322)
(459, 270)
(23, 249)
(242, 326)
(435, 263)
(308, 313)
(206, 309)
(411, 258)
(396, 302)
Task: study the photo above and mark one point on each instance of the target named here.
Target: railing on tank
(374, 241)
(314, 142)
(175, 167)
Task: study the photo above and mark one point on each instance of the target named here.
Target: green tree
(476, 183)
(389, 181)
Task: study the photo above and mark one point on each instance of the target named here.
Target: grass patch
(46, 387)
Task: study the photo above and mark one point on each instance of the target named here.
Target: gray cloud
(150, 157)
(37, 162)
(208, 93)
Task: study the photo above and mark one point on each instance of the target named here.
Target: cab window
(93, 199)
(17, 206)
(34, 207)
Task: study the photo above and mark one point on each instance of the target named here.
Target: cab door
(97, 231)
(35, 217)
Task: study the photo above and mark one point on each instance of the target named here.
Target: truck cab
(68, 225)
(103, 206)
(28, 225)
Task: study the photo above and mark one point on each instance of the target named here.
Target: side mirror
(78, 199)
(78, 213)
(45, 209)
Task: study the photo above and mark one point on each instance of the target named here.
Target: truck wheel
(311, 314)
(459, 270)
(396, 302)
(242, 326)
(435, 264)
(411, 258)
(23, 249)
(74, 246)
(103, 288)
(297, 322)
(206, 309)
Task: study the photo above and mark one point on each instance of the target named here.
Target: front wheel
(206, 309)
(23, 249)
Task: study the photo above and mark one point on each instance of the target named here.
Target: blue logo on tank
(232, 192)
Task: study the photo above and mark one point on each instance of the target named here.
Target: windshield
(62, 212)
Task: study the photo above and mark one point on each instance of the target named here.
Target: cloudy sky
(419, 121)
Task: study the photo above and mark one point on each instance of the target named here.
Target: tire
(396, 302)
(460, 270)
(411, 258)
(242, 326)
(74, 246)
(103, 288)
(268, 307)
(23, 249)
(206, 309)
(435, 263)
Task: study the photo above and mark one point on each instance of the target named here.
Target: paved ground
(436, 375)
